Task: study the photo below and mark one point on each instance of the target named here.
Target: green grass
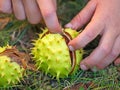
(21, 34)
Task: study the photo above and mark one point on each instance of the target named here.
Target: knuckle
(90, 35)
(78, 18)
(105, 49)
(48, 13)
(77, 21)
(114, 53)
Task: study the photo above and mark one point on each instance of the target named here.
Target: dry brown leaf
(4, 22)
(20, 57)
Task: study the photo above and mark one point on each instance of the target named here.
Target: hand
(103, 18)
(34, 11)
(5, 6)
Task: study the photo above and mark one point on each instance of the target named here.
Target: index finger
(48, 11)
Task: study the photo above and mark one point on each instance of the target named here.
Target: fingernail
(83, 67)
(71, 48)
(69, 25)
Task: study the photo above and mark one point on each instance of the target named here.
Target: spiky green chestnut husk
(52, 55)
(10, 72)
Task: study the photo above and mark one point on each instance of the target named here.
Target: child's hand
(5, 6)
(104, 17)
(34, 11)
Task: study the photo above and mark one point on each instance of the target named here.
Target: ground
(21, 34)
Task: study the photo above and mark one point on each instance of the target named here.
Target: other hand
(103, 18)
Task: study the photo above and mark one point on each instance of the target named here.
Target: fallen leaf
(19, 57)
(4, 22)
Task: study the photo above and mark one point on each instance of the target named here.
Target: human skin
(101, 16)
(34, 11)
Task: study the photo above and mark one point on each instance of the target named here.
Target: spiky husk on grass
(11, 72)
(52, 54)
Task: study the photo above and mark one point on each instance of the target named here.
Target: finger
(18, 9)
(91, 31)
(54, 4)
(103, 49)
(112, 56)
(49, 15)
(32, 11)
(117, 61)
(83, 17)
(5, 6)
(117, 44)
